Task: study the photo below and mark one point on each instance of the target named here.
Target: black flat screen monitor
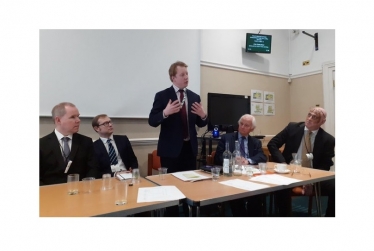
(258, 43)
(224, 110)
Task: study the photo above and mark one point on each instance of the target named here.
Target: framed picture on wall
(257, 108)
(257, 96)
(269, 97)
(269, 109)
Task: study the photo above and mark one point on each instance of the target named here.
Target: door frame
(328, 73)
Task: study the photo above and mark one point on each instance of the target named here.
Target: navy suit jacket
(170, 140)
(52, 165)
(124, 149)
(291, 136)
(255, 152)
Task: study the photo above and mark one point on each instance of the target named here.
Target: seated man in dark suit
(115, 155)
(252, 154)
(319, 154)
(64, 151)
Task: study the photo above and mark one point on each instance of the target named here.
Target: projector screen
(116, 72)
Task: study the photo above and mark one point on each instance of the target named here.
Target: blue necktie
(242, 148)
(112, 154)
(66, 148)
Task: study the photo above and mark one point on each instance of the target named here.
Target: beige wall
(292, 102)
(240, 83)
(305, 92)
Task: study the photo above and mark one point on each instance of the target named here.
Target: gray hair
(250, 118)
(59, 110)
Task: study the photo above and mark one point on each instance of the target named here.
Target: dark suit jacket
(52, 165)
(124, 149)
(291, 136)
(255, 152)
(170, 141)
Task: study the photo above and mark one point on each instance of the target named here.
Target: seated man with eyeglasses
(113, 152)
(314, 146)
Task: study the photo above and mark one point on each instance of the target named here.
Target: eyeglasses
(313, 116)
(106, 123)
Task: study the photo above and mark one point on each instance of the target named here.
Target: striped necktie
(112, 154)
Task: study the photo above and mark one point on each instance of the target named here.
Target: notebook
(124, 176)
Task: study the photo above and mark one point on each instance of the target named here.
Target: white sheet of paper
(275, 179)
(245, 185)
(124, 176)
(160, 193)
(190, 175)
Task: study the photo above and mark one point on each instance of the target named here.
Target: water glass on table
(135, 176)
(161, 172)
(121, 192)
(249, 171)
(107, 182)
(87, 184)
(215, 173)
(73, 183)
(262, 168)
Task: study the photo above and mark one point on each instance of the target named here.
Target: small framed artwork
(257, 108)
(257, 96)
(269, 97)
(269, 109)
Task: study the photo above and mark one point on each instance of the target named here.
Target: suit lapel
(251, 147)
(189, 99)
(74, 146)
(318, 142)
(233, 137)
(120, 146)
(55, 146)
(172, 95)
(299, 134)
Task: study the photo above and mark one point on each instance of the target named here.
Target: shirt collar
(104, 140)
(240, 136)
(60, 135)
(313, 132)
(176, 89)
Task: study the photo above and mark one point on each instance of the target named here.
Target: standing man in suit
(319, 156)
(122, 158)
(252, 154)
(65, 151)
(177, 110)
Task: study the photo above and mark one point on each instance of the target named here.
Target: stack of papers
(160, 193)
(190, 176)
